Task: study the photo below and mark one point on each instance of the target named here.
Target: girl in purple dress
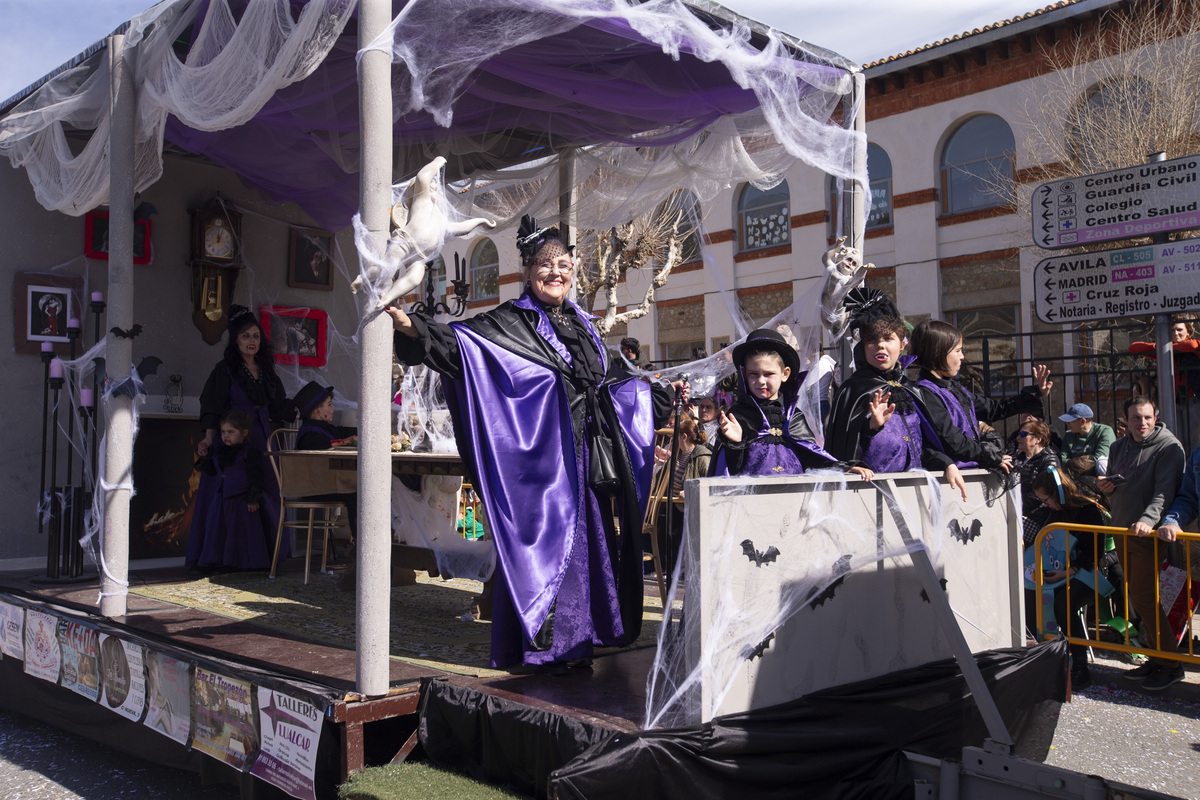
(938, 348)
(236, 527)
(764, 433)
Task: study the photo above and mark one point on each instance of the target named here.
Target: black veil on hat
(531, 239)
(866, 306)
(238, 315)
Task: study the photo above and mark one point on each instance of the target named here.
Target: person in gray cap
(1085, 437)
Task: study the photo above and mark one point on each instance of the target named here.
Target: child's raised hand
(880, 409)
(731, 429)
(252, 508)
(1041, 376)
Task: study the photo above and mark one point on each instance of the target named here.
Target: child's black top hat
(767, 339)
(311, 396)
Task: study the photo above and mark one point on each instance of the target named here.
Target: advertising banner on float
(224, 717)
(12, 630)
(168, 696)
(290, 729)
(80, 646)
(43, 657)
(124, 676)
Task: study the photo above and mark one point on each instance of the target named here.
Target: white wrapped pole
(118, 460)
(374, 431)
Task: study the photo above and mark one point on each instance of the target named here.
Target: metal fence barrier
(1186, 651)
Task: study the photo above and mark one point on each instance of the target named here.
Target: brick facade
(761, 303)
(680, 320)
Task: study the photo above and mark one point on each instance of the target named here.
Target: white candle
(56, 368)
(97, 297)
(85, 397)
(47, 347)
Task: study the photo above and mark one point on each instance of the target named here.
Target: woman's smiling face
(551, 274)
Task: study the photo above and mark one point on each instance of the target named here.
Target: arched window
(1102, 124)
(879, 173)
(977, 166)
(436, 268)
(764, 217)
(485, 271)
(689, 225)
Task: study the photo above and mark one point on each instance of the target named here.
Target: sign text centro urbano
(1158, 197)
(1153, 279)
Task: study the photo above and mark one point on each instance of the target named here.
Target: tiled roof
(994, 26)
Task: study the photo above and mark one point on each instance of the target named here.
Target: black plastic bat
(759, 558)
(132, 333)
(750, 653)
(968, 534)
(925, 594)
(129, 387)
(840, 568)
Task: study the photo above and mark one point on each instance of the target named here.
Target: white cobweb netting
(841, 590)
(232, 68)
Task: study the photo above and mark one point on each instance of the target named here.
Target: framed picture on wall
(42, 304)
(309, 262)
(297, 335)
(95, 237)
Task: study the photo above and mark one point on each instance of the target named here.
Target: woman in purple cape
(555, 439)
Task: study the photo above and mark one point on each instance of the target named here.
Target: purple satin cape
(516, 434)
(964, 419)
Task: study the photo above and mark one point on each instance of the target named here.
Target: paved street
(1110, 729)
(38, 762)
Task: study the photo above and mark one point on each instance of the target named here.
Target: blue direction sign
(1154, 279)
(1158, 197)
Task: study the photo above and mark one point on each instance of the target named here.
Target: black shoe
(1162, 677)
(1080, 679)
(1142, 672)
(556, 668)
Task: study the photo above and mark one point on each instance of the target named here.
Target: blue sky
(39, 35)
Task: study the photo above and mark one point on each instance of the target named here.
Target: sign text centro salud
(1158, 197)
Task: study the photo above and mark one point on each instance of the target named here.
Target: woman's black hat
(767, 339)
(311, 395)
(531, 239)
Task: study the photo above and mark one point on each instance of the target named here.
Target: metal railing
(1091, 364)
(1127, 645)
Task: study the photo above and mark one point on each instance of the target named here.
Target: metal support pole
(47, 357)
(118, 460)
(54, 537)
(372, 603)
(1166, 353)
(66, 531)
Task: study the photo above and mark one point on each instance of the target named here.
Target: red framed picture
(95, 237)
(297, 335)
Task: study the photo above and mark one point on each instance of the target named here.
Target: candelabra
(462, 289)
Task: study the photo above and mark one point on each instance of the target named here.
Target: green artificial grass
(419, 781)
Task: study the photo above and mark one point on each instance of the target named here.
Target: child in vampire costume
(236, 533)
(549, 437)
(775, 438)
(317, 432)
(900, 444)
(954, 410)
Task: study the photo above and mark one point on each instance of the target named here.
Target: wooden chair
(660, 486)
(285, 439)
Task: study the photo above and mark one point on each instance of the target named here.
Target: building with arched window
(950, 162)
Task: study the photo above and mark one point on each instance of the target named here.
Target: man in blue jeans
(1144, 471)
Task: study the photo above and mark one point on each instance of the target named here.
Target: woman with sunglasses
(1034, 455)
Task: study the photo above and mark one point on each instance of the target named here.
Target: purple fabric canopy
(601, 82)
